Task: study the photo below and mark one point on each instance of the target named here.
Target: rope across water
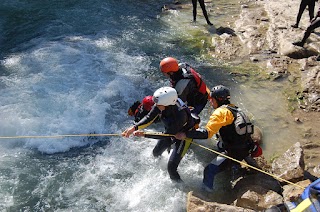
(154, 135)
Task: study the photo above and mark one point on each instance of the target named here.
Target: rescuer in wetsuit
(304, 3)
(188, 83)
(237, 146)
(204, 11)
(176, 117)
(315, 23)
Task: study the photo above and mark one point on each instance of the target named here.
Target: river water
(74, 67)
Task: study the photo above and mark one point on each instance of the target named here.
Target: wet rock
(174, 6)
(310, 81)
(254, 59)
(259, 191)
(278, 65)
(257, 202)
(292, 193)
(197, 204)
(297, 120)
(267, 25)
(316, 170)
(259, 182)
(290, 166)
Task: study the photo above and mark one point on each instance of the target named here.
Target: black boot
(299, 43)
(209, 23)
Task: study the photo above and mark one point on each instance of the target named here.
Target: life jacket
(190, 73)
(237, 134)
(178, 113)
(242, 123)
(138, 113)
(133, 109)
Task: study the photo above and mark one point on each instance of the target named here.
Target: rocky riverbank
(262, 35)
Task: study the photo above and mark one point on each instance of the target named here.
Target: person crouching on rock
(236, 143)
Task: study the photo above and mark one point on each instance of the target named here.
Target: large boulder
(260, 190)
(195, 204)
(258, 202)
(291, 193)
(290, 166)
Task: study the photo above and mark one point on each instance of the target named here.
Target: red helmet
(169, 64)
(147, 103)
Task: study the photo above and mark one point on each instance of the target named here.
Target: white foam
(70, 87)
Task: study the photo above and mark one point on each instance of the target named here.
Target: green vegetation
(273, 157)
(196, 41)
(292, 88)
(245, 71)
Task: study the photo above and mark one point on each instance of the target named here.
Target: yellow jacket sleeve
(219, 118)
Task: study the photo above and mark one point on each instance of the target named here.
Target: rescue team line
(151, 135)
(56, 136)
(155, 135)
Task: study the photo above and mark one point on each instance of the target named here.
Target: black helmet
(221, 94)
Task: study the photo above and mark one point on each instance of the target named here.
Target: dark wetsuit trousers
(314, 24)
(179, 150)
(221, 163)
(303, 5)
(198, 108)
(203, 7)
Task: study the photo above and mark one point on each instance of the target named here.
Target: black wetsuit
(175, 119)
(140, 113)
(204, 11)
(314, 24)
(303, 5)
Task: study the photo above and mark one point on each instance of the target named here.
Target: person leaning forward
(237, 146)
(139, 109)
(176, 117)
(188, 83)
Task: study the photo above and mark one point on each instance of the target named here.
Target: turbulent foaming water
(74, 67)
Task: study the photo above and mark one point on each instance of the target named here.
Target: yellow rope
(244, 164)
(159, 134)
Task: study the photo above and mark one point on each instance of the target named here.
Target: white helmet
(165, 96)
